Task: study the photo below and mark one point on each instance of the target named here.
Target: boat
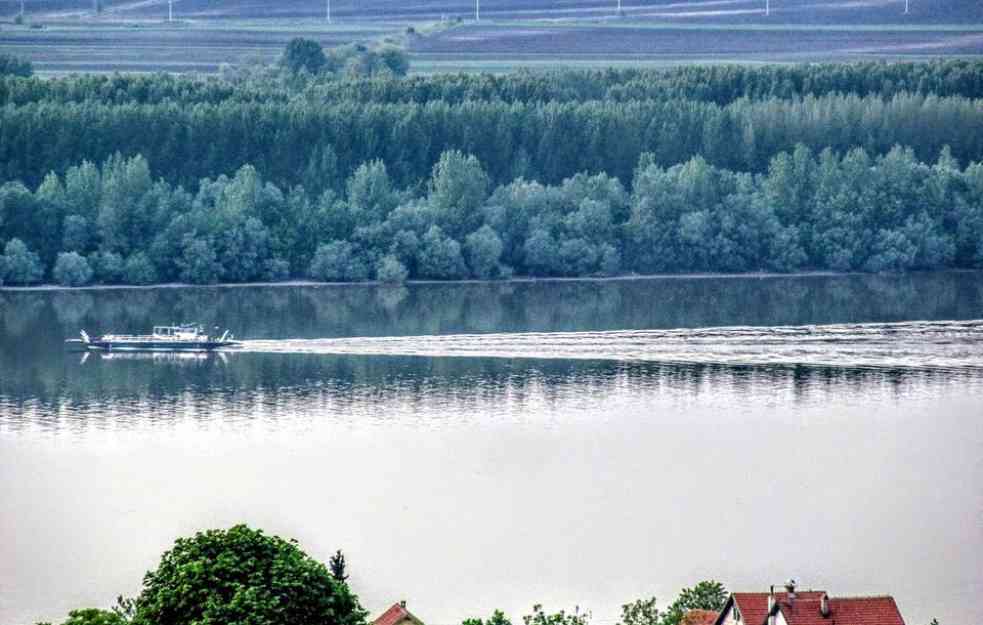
(179, 338)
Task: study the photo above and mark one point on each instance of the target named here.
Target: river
(482, 446)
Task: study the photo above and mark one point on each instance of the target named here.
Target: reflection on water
(669, 430)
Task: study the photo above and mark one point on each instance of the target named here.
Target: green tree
(93, 616)
(198, 262)
(76, 233)
(11, 65)
(539, 617)
(338, 261)
(440, 256)
(22, 266)
(303, 54)
(640, 612)
(497, 618)
(390, 270)
(337, 565)
(241, 575)
(483, 249)
(72, 269)
(458, 188)
(706, 595)
(396, 60)
(139, 270)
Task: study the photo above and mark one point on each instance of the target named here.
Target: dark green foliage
(707, 595)
(303, 55)
(827, 211)
(108, 267)
(241, 575)
(11, 65)
(497, 618)
(72, 269)
(640, 612)
(390, 270)
(20, 264)
(92, 616)
(539, 617)
(338, 261)
(198, 263)
(337, 565)
(483, 249)
(139, 270)
(440, 256)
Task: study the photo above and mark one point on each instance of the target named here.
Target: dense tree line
(343, 70)
(319, 145)
(843, 211)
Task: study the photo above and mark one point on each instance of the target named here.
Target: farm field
(132, 36)
(102, 48)
(492, 47)
(500, 42)
(727, 11)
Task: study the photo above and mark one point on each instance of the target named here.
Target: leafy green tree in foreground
(241, 575)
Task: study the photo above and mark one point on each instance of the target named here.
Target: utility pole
(327, 11)
(619, 7)
(767, 7)
(170, 10)
(906, 7)
(477, 10)
(22, 9)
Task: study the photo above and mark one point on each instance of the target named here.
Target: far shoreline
(761, 275)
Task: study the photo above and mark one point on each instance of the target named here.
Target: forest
(267, 175)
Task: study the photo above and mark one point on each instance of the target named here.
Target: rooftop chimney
(790, 589)
(824, 605)
(402, 603)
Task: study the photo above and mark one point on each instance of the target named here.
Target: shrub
(241, 575)
(72, 269)
(391, 271)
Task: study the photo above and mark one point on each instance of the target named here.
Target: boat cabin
(177, 332)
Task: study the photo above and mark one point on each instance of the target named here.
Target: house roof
(754, 605)
(396, 614)
(844, 611)
(699, 617)
(805, 609)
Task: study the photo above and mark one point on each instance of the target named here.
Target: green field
(100, 47)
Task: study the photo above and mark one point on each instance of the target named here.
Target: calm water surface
(485, 446)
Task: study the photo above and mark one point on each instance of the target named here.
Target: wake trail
(916, 344)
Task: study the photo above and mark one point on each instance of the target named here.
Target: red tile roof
(699, 617)
(754, 605)
(394, 615)
(805, 609)
(844, 611)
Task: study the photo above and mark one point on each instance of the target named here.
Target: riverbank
(514, 280)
